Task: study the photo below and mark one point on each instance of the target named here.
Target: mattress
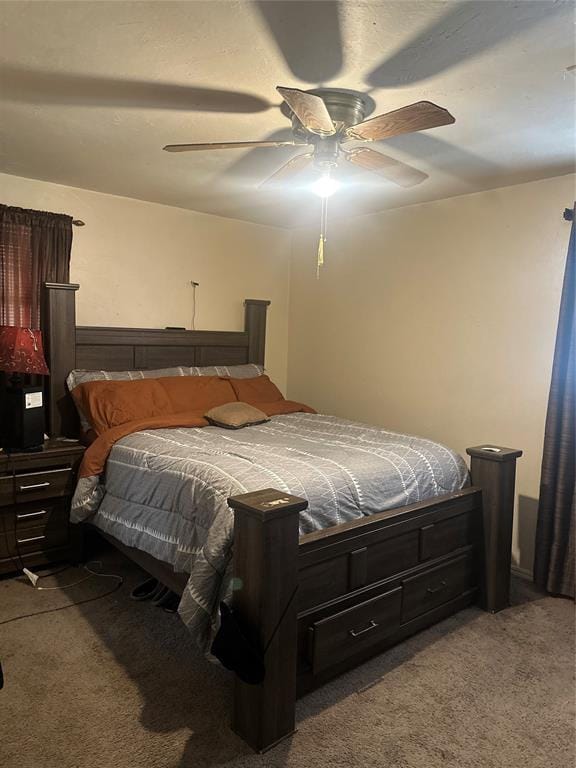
(165, 490)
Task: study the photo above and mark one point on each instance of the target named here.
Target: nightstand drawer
(6, 491)
(51, 514)
(40, 540)
(43, 485)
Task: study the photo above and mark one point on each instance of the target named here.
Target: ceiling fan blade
(308, 36)
(393, 170)
(309, 109)
(231, 145)
(415, 117)
(289, 169)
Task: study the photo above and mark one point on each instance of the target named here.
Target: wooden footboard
(323, 603)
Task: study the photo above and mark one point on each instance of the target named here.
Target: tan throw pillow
(235, 416)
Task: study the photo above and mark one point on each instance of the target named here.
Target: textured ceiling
(91, 91)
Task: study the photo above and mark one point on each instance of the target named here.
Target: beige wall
(134, 262)
(439, 320)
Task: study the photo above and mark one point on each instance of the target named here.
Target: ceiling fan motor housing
(326, 151)
(345, 107)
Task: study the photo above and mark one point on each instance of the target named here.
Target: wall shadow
(526, 523)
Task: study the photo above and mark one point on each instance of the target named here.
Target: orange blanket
(95, 456)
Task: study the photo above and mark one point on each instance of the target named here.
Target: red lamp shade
(21, 350)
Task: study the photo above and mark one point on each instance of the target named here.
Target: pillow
(249, 371)
(109, 404)
(235, 416)
(257, 390)
(196, 393)
(80, 376)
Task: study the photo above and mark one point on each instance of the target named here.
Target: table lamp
(23, 423)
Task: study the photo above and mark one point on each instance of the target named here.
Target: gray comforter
(165, 490)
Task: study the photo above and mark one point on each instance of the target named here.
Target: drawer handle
(32, 514)
(27, 541)
(439, 588)
(34, 487)
(369, 628)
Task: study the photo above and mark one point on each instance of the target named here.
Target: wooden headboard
(69, 346)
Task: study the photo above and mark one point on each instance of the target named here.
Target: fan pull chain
(323, 231)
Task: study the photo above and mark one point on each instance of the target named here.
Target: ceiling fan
(326, 121)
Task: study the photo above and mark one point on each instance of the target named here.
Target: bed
(330, 540)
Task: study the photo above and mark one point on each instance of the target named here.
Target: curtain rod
(78, 223)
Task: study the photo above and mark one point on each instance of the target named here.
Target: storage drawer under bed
(355, 629)
(425, 591)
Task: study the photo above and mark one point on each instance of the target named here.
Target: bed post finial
(255, 327)
(493, 469)
(59, 329)
(266, 532)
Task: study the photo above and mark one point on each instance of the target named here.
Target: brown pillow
(112, 403)
(196, 393)
(235, 416)
(257, 390)
(108, 404)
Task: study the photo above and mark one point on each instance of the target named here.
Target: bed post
(266, 533)
(255, 327)
(59, 328)
(493, 469)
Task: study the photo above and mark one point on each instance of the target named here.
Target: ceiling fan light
(325, 186)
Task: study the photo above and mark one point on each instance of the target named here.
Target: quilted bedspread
(165, 490)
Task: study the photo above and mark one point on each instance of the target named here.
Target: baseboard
(522, 573)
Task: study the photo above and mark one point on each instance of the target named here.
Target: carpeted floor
(117, 684)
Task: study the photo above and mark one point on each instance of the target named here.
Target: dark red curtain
(35, 248)
(556, 529)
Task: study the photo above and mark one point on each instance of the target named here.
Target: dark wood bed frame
(325, 602)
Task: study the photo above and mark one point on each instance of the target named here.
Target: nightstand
(35, 494)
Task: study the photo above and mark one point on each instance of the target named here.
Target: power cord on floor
(98, 563)
(34, 578)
